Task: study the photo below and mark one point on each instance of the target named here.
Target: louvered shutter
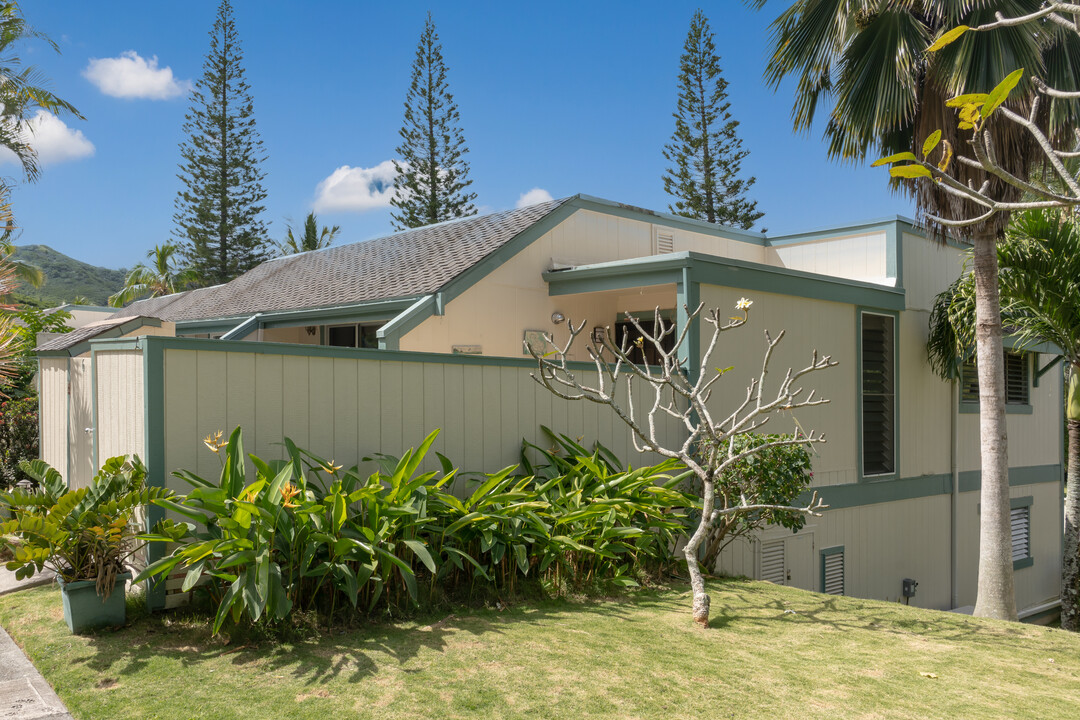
(665, 243)
(832, 573)
(1021, 533)
(1016, 379)
(772, 562)
(878, 394)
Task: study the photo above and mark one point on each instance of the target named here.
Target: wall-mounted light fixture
(599, 335)
(557, 317)
(311, 329)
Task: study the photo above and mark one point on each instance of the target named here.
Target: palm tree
(864, 64)
(312, 239)
(1039, 278)
(21, 89)
(161, 277)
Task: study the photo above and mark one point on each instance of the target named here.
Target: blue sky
(566, 97)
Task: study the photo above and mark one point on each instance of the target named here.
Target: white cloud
(54, 141)
(356, 189)
(132, 76)
(534, 197)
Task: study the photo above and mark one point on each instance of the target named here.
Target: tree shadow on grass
(352, 653)
(772, 605)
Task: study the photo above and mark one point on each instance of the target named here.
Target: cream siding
(80, 467)
(348, 408)
(120, 404)
(826, 326)
(856, 257)
(53, 379)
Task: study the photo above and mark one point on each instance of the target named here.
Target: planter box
(84, 609)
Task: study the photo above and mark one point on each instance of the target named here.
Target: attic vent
(772, 562)
(832, 571)
(1021, 533)
(663, 242)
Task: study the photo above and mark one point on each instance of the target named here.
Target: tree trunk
(1070, 563)
(995, 597)
(697, 582)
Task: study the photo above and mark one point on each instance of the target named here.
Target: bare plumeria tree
(671, 393)
(1058, 186)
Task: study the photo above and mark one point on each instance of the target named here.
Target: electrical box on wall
(909, 587)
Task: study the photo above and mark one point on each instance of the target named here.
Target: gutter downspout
(954, 502)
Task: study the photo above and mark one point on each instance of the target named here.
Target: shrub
(306, 535)
(18, 438)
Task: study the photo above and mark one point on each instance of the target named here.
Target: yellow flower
(743, 304)
(288, 492)
(330, 468)
(213, 442)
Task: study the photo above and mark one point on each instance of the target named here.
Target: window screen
(341, 336)
(772, 562)
(878, 394)
(1021, 533)
(832, 572)
(1017, 380)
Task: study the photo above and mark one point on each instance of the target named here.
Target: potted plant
(85, 536)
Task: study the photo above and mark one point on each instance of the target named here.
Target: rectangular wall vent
(772, 562)
(832, 573)
(1021, 533)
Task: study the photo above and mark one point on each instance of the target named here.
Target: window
(347, 336)
(772, 562)
(878, 385)
(1017, 380)
(1020, 518)
(647, 351)
(832, 570)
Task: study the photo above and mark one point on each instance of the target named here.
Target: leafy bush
(305, 535)
(18, 438)
(772, 476)
(84, 534)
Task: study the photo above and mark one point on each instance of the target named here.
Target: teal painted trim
(117, 344)
(154, 446)
(687, 298)
(1039, 372)
(1023, 563)
(1012, 342)
(858, 494)
(93, 411)
(859, 312)
(727, 272)
(826, 552)
(972, 408)
(390, 334)
(1019, 502)
(324, 351)
(970, 480)
(631, 212)
(857, 228)
(244, 329)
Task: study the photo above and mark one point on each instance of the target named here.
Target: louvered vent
(1021, 533)
(878, 398)
(833, 573)
(665, 243)
(1016, 379)
(772, 562)
(969, 382)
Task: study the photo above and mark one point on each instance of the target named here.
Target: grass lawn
(773, 652)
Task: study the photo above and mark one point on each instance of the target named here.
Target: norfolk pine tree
(217, 212)
(705, 152)
(432, 174)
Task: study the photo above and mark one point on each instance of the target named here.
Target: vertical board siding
(80, 417)
(120, 404)
(53, 412)
(346, 409)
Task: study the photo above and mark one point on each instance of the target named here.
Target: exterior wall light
(557, 317)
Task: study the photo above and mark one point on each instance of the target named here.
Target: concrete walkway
(24, 694)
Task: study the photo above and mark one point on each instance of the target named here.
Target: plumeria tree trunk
(995, 596)
(1070, 567)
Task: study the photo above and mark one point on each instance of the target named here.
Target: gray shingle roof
(86, 332)
(408, 263)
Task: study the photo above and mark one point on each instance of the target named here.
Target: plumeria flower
(743, 304)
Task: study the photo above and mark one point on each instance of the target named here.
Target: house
(369, 346)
